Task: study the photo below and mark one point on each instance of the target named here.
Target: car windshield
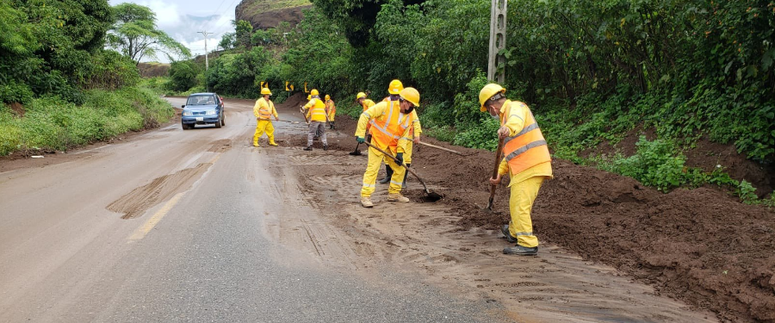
(201, 100)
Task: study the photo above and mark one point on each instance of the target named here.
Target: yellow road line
(148, 226)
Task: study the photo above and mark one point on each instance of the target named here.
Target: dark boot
(403, 185)
(388, 175)
(521, 251)
(507, 234)
(308, 148)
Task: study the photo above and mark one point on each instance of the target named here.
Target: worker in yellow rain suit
(264, 110)
(390, 123)
(394, 88)
(331, 111)
(365, 103)
(526, 160)
(316, 115)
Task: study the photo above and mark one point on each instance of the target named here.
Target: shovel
(441, 148)
(356, 152)
(495, 171)
(430, 196)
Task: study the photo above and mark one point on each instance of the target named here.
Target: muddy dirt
(699, 246)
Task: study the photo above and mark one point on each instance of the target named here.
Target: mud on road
(600, 233)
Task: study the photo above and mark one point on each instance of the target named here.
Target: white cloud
(183, 20)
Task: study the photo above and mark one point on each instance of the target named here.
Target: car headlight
(188, 113)
(210, 112)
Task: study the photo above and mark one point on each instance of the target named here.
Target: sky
(183, 19)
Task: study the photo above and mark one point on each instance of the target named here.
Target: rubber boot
(388, 175)
(403, 185)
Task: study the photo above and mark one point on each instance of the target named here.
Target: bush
(51, 123)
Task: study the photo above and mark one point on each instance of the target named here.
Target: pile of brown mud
(701, 246)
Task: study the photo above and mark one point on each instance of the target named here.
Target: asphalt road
(171, 226)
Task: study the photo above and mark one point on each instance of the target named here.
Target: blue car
(202, 108)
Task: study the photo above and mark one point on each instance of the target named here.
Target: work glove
(400, 158)
(360, 140)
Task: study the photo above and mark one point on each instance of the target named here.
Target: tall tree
(136, 36)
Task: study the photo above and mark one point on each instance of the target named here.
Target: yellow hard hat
(309, 97)
(360, 95)
(265, 91)
(328, 97)
(314, 92)
(487, 92)
(395, 87)
(412, 95)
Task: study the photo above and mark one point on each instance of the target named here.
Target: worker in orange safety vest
(390, 123)
(394, 88)
(331, 111)
(526, 160)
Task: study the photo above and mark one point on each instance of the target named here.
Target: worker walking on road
(394, 88)
(390, 123)
(331, 111)
(526, 160)
(316, 114)
(264, 110)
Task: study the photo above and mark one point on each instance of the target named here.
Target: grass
(51, 124)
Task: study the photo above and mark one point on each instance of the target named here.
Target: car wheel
(184, 126)
(223, 121)
(218, 123)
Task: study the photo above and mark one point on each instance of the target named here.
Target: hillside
(263, 14)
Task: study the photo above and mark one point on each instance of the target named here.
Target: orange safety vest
(265, 110)
(388, 128)
(528, 147)
(331, 108)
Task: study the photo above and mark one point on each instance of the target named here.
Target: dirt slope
(700, 246)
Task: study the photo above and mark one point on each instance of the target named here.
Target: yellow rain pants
(370, 176)
(523, 194)
(408, 152)
(261, 127)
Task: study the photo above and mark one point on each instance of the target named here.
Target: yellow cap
(487, 92)
(395, 87)
(265, 91)
(314, 92)
(412, 95)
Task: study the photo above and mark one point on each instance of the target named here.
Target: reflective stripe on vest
(265, 111)
(528, 147)
(318, 111)
(390, 128)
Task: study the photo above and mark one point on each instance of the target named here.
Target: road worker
(331, 111)
(526, 160)
(366, 103)
(390, 124)
(316, 115)
(264, 110)
(394, 88)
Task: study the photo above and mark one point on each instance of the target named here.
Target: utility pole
(497, 41)
(205, 33)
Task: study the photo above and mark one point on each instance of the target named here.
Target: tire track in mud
(140, 199)
(554, 286)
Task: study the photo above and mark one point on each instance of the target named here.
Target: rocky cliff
(264, 14)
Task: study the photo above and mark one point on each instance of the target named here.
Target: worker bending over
(390, 123)
(526, 160)
(394, 88)
(316, 114)
(264, 110)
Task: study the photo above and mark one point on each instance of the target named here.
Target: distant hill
(264, 14)
(153, 69)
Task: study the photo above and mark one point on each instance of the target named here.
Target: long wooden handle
(498, 153)
(442, 148)
(402, 164)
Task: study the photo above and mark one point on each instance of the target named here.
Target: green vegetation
(135, 34)
(59, 88)
(259, 6)
(51, 124)
(592, 71)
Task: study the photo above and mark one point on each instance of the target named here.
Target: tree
(136, 36)
(227, 41)
(244, 31)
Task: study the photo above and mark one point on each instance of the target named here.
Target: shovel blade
(432, 197)
(355, 153)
